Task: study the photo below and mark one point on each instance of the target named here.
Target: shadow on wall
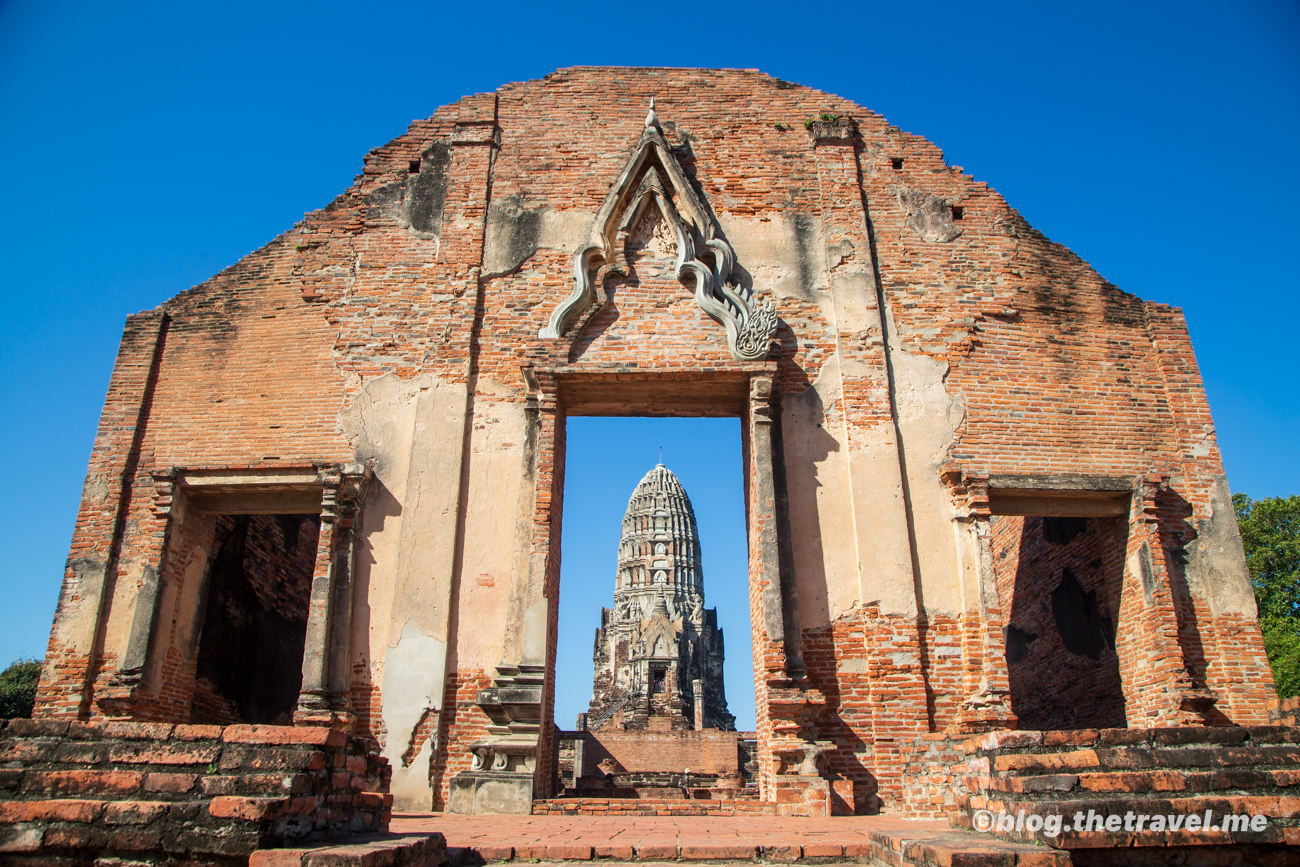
(1062, 577)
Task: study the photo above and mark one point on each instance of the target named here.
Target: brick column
(775, 605)
(118, 698)
(987, 700)
(1158, 690)
(512, 762)
(324, 698)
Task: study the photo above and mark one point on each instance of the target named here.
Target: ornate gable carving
(652, 176)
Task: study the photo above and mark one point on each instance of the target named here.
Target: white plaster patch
(410, 785)
(928, 418)
(768, 247)
(853, 666)
(820, 504)
(564, 230)
(414, 672)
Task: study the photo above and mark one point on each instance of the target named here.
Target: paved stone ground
(720, 838)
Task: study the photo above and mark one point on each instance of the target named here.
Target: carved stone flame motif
(653, 178)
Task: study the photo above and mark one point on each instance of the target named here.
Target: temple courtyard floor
(878, 839)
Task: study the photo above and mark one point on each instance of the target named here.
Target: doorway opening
(254, 620)
(651, 701)
(1059, 581)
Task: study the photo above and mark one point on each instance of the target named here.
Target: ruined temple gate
(982, 483)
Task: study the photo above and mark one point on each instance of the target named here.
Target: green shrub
(18, 688)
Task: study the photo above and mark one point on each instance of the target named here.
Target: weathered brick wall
(150, 792)
(463, 722)
(1283, 712)
(838, 665)
(934, 776)
(982, 348)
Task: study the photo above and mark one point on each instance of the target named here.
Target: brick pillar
(882, 526)
(325, 696)
(513, 762)
(118, 698)
(782, 657)
(1222, 599)
(986, 703)
(1158, 690)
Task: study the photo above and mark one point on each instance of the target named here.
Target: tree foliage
(18, 688)
(1270, 533)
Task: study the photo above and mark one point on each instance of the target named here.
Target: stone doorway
(514, 762)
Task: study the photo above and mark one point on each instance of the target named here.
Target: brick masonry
(155, 792)
(935, 359)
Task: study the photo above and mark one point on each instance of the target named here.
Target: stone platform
(720, 839)
(417, 841)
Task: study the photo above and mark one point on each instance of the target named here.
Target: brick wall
(838, 665)
(463, 722)
(196, 793)
(706, 752)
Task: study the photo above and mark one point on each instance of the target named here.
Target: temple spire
(658, 644)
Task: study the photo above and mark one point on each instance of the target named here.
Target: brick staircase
(91, 792)
(1172, 772)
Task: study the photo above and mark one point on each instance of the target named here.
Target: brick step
(1097, 784)
(918, 848)
(372, 850)
(76, 792)
(1012, 742)
(1079, 818)
(41, 759)
(1197, 758)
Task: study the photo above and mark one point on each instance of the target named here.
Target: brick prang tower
(659, 651)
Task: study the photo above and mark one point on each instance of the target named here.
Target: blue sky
(148, 145)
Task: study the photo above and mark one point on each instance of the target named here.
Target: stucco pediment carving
(652, 175)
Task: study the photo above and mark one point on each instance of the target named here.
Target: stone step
(1012, 742)
(74, 792)
(652, 806)
(42, 759)
(1096, 784)
(1186, 758)
(373, 850)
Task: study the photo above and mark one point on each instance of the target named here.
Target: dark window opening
(897, 162)
(414, 167)
(249, 667)
(958, 212)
